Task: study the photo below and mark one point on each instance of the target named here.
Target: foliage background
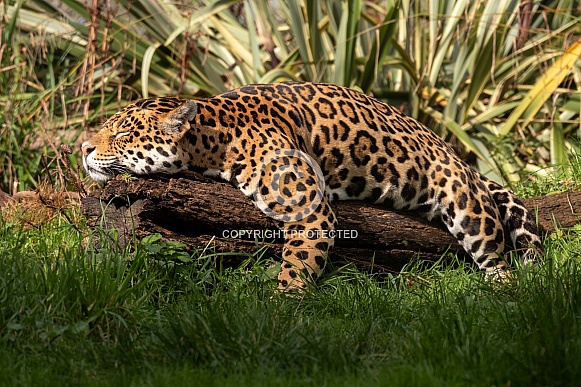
(500, 80)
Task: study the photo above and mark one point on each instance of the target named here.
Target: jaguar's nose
(87, 148)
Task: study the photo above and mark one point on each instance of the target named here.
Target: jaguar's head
(142, 138)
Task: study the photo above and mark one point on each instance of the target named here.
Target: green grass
(73, 315)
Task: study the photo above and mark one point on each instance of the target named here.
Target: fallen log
(205, 213)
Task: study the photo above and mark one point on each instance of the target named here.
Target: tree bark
(211, 215)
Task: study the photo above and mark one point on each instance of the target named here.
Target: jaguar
(295, 147)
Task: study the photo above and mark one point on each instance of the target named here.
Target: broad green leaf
(237, 50)
(254, 27)
(433, 21)
(13, 15)
(576, 98)
(483, 66)
(315, 43)
(198, 17)
(79, 7)
(407, 63)
(489, 114)
(485, 163)
(342, 57)
(450, 25)
(466, 140)
(266, 12)
(545, 86)
(557, 144)
(35, 22)
(354, 15)
(381, 43)
(300, 30)
(145, 66)
(277, 75)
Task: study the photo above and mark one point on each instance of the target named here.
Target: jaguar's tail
(519, 224)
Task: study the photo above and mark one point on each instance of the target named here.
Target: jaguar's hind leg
(475, 221)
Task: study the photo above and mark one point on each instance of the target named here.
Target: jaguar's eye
(121, 134)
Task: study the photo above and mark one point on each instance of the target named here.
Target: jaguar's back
(294, 147)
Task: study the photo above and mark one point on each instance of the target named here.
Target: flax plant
(499, 79)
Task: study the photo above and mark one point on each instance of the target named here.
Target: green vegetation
(70, 314)
(501, 82)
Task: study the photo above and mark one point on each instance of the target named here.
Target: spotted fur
(293, 148)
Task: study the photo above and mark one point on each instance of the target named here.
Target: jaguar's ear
(177, 121)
